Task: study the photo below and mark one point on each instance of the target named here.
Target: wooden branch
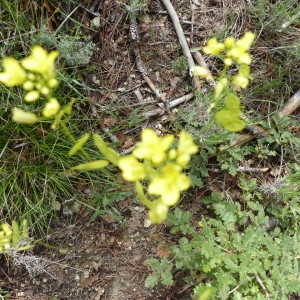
(182, 40)
(292, 104)
(160, 111)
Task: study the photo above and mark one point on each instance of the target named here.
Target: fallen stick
(292, 104)
(182, 40)
(160, 111)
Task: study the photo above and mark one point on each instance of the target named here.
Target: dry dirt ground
(106, 259)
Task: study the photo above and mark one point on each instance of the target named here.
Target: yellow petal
(21, 116)
(51, 108)
(200, 71)
(132, 169)
(32, 96)
(13, 74)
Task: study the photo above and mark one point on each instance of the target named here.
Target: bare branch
(182, 40)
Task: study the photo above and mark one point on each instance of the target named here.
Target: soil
(105, 259)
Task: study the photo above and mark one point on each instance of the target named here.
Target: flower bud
(200, 71)
(32, 96)
(51, 108)
(28, 85)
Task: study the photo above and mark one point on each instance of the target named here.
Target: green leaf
(78, 145)
(109, 153)
(167, 278)
(229, 120)
(24, 229)
(16, 234)
(151, 281)
(232, 102)
(92, 165)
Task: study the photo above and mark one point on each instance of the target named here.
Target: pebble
(77, 277)
(147, 223)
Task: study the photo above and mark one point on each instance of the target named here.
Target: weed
(235, 252)
(180, 65)
(74, 50)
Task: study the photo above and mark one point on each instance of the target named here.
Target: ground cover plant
(234, 233)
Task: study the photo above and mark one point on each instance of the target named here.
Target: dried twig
(292, 104)
(263, 286)
(160, 111)
(182, 40)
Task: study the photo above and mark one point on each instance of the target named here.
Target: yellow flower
(21, 116)
(240, 81)
(229, 42)
(200, 71)
(13, 73)
(246, 41)
(169, 184)
(186, 148)
(52, 83)
(28, 85)
(228, 61)
(153, 147)
(32, 96)
(244, 58)
(132, 169)
(40, 61)
(51, 108)
(213, 47)
(240, 50)
(158, 211)
(6, 229)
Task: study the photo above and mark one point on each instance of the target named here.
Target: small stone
(147, 223)
(77, 277)
(95, 22)
(86, 273)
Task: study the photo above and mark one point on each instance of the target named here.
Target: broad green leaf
(232, 102)
(109, 153)
(229, 120)
(92, 165)
(78, 145)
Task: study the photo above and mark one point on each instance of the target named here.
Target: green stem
(141, 195)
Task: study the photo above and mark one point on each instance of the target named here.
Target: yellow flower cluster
(153, 159)
(37, 76)
(5, 237)
(232, 51)
(10, 236)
